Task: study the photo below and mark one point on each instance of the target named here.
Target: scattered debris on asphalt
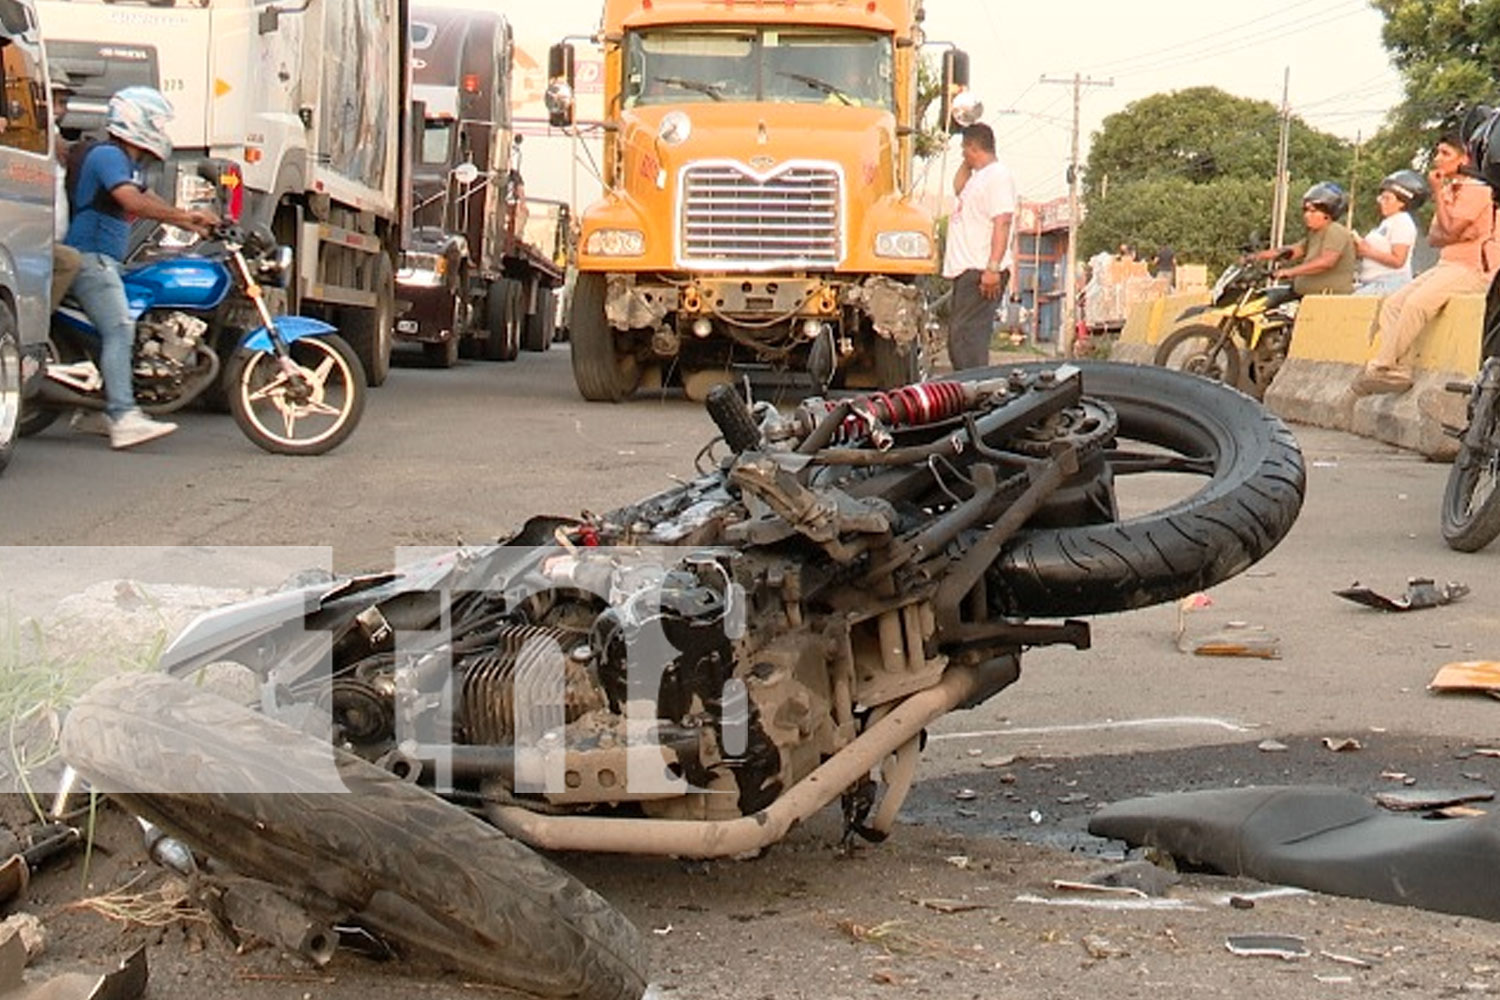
(1344, 744)
(1421, 592)
(1240, 639)
(1411, 800)
(1110, 903)
(1101, 947)
(26, 928)
(951, 905)
(1271, 746)
(1468, 675)
(1068, 885)
(1288, 947)
(126, 982)
(1140, 875)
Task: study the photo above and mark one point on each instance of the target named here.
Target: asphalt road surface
(467, 454)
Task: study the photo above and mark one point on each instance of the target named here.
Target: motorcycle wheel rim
(272, 403)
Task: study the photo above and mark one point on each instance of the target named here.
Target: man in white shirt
(977, 258)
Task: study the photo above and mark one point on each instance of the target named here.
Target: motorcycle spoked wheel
(1255, 481)
(287, 420)
(420, 873)
(1471, 498)
(1201, 349)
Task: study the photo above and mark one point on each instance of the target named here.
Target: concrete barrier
(1148, 322)
(1332, 341)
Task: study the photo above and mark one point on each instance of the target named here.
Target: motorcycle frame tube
(726, 838)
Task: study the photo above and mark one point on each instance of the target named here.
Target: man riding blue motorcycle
(106, 190)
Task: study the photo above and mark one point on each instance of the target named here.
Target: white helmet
(139, 116)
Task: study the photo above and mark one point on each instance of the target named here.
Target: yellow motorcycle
(1241, 337)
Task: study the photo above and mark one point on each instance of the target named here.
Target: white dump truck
(294, 111)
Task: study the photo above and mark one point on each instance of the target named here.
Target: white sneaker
(133, 427)
(89, 422)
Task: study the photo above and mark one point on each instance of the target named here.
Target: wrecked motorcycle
(690, 675)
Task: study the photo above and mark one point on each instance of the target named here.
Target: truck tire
(895, 364)
(1253, 493)
(10, 383)
(503, 337)
(419, 872)
(602, 373)
(442, 353)
(371, 331)
(539, 326)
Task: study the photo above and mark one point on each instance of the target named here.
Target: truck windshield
(794, 65)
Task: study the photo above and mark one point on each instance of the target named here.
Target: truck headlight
(423, 270)
(616, 243)
(906, 244)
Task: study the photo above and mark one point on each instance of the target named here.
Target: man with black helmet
(1462, 229)
(1324, 258)
(1385, 251)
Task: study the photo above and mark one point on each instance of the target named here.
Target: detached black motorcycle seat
(1324, 839)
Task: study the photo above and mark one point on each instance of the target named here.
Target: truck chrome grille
(729, 218)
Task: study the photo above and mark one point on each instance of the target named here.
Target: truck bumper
(432, 316)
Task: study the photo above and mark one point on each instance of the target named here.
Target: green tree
(1194, 169)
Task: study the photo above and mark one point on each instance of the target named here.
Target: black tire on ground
(536, 331)
(441, 354)
(371, 332)
(895, 364)
(1471, 499)
(422, 873)
(10, 383)
(1252, 495)
(601, 372)
(34, 418)
(1197, 348)
(503, 331)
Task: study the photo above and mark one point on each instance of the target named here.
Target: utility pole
(1279, 199)
(1070, 279)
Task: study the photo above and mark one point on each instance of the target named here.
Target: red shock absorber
(907, 406)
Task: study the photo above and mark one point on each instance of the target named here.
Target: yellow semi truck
(758, 208)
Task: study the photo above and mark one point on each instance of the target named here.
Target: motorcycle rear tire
(419, 872)
(1214, 360)
(1249, 503)
(1470, 526)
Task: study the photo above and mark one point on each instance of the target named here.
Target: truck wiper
(711, 89)
(820, 85)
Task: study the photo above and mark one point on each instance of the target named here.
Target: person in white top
(1385, 251)
(977, 257)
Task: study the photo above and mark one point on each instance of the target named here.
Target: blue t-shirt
(105, 168)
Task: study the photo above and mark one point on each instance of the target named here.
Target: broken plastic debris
(1413, 799)
(1068, 885)
(960, 861)
(1271, 746)
(998, 762)
(1036, 817)
(126, 982)
(1109, 902)
(1421, 592)
(1284, 946)
(1332, 956)
(1240, 640)
(966, 795)
(951, 905)
(1102, 947)
(1342, 745)
(1467, 675)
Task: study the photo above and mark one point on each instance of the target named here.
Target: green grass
(40, 677)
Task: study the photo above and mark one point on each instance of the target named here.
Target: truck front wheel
(602, 372)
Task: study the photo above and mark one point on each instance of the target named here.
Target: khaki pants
(65, 265)
(1406, 312)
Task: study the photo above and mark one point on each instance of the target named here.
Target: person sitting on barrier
(1462, 228)
(1325, 256)
(1385, 251)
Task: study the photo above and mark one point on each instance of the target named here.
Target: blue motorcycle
(294, 386)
